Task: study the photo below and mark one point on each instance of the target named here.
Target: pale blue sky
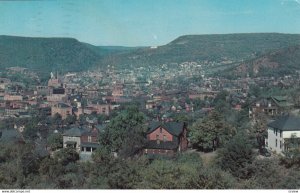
(145, 22)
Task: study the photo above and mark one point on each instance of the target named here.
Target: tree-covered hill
(46, 54)
(281, 62)
(217, 48)
(68, 54)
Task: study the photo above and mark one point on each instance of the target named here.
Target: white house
(280, 130)
(71, 138)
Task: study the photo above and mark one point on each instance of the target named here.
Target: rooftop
(175, 128)
(286, 123)
(75, 132)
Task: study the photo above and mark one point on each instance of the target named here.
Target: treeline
(235, 167)
(232, 142)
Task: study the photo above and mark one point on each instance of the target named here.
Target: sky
(145, 22)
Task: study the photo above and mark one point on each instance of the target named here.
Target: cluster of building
(162, 94)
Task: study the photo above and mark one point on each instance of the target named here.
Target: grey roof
(286, 123)
(88, 144)
(174, 128)
(75, 132)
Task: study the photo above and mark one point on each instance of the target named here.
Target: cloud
(288, 1)
(297, 1)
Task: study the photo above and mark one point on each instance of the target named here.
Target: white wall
(76, 139)
(288, 134)
(272, 141)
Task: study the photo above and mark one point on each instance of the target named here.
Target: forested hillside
(68, 54)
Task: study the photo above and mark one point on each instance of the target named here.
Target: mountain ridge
(69, 54)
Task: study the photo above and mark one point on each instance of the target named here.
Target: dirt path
(206, 157)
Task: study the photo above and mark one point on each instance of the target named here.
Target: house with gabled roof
(166, 138)
(84, 140)
(281, 131)
(72, 137)
(272, 106)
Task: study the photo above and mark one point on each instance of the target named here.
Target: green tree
(214, 178)
(236, 156)
(125, 133)
(55, 141)
(126, 174)
(181, 172)
(211, 132)
(56, 120)
(66, 156)
(260, 130)
(267, 173)
(31, 129)
(291, 180)
(71, 119)
(220, 102)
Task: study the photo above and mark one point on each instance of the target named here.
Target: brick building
(166, 138)
(61, 108)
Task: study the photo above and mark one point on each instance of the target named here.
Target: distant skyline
(145, 22)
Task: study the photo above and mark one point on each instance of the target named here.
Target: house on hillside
(281, 131)
(85, 141)
(166, 138)
(72, 137)
(89, 143)
(272, 106)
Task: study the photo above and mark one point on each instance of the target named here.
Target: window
(280, 145)
(165, 138)
(276, 132)
(160, 130)
(89, 138)
(157, 137)
(275, 142)
(280, 133)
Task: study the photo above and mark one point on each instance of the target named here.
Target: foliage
(125, 133)
(291, 156)
(211, 132)
(291, 180)
(55, 141)
(126, 174)
(31, 129)
(46, 54)
(220, 102)
(165, 174)
(267, 173)
(66, 156)
(71, 119)
(235, 47)
(56, 120)
(236, 156)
